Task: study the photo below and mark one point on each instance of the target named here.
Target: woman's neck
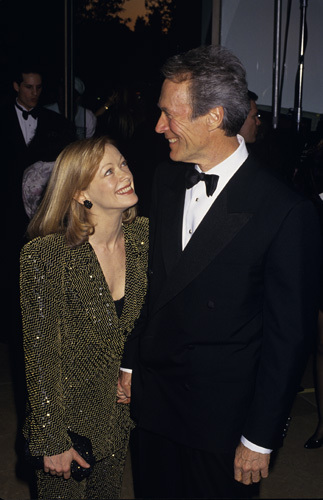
(108, 232)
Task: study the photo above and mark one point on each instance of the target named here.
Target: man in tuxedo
(250, 127)
(28, 133)
(233, 295)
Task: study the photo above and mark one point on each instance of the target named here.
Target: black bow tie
(33, 112)
(192, 177)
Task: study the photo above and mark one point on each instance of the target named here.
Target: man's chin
(174, 155)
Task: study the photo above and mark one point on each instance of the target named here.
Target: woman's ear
(80, 197)
(215, 118)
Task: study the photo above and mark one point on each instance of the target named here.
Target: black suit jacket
(232, 316)
(53, 133)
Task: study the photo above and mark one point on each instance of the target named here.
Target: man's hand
(250, 466)
(60, 465)
(124, 387)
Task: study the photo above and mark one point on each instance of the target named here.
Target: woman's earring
(88, 204)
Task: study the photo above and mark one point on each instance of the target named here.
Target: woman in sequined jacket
(83, 285)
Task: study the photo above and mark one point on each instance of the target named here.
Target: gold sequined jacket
(74, 341)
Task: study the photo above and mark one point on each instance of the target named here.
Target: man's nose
(162, 124)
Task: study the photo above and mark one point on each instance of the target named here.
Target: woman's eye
(125, 164)
(109, 172)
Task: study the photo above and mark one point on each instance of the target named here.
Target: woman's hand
(60, 465)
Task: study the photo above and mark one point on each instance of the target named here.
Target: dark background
(106, 51)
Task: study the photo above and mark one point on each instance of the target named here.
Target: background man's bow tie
(192, 177)
(33, 112)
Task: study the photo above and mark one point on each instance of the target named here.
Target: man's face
(29, 90)
(187, 138)
(249, 129)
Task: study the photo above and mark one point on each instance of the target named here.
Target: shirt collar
(22, 106)
(230, 165)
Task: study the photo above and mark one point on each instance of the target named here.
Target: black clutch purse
(81, 444)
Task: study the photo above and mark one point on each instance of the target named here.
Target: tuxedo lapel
(172, 220)
(16, 132)
(219, 226)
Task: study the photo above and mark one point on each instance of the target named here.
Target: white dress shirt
(28, 127)
(197, 203)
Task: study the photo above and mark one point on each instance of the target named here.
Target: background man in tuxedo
(233, 300)
(29, 133)
(250, 127)
(36, 133)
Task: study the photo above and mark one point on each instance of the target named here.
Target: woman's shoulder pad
(42, 243)
(142, 221)
(138, 229)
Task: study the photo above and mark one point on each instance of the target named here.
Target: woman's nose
(125, 175)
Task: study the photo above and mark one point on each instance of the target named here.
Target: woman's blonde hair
(59, 212)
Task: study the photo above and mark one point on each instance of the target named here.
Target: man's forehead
(174, 91)
(31, 77)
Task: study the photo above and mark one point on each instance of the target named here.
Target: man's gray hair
(217, 78)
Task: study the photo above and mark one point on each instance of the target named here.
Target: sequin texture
(74, 341)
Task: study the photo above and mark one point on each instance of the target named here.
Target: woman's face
(112, 187)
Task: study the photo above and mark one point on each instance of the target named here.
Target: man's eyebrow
(162, 108)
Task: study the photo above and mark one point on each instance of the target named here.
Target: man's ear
(15, 86)
(215, 118)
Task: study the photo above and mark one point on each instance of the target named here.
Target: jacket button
(210, 304)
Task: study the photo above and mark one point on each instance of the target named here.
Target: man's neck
(27, 108)
(219, 152)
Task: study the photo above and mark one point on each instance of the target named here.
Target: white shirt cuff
(128, 370)
(254, 447)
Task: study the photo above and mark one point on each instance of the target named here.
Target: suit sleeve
(130, 353)
(290, 314)
(41, 315)
(131, 347)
